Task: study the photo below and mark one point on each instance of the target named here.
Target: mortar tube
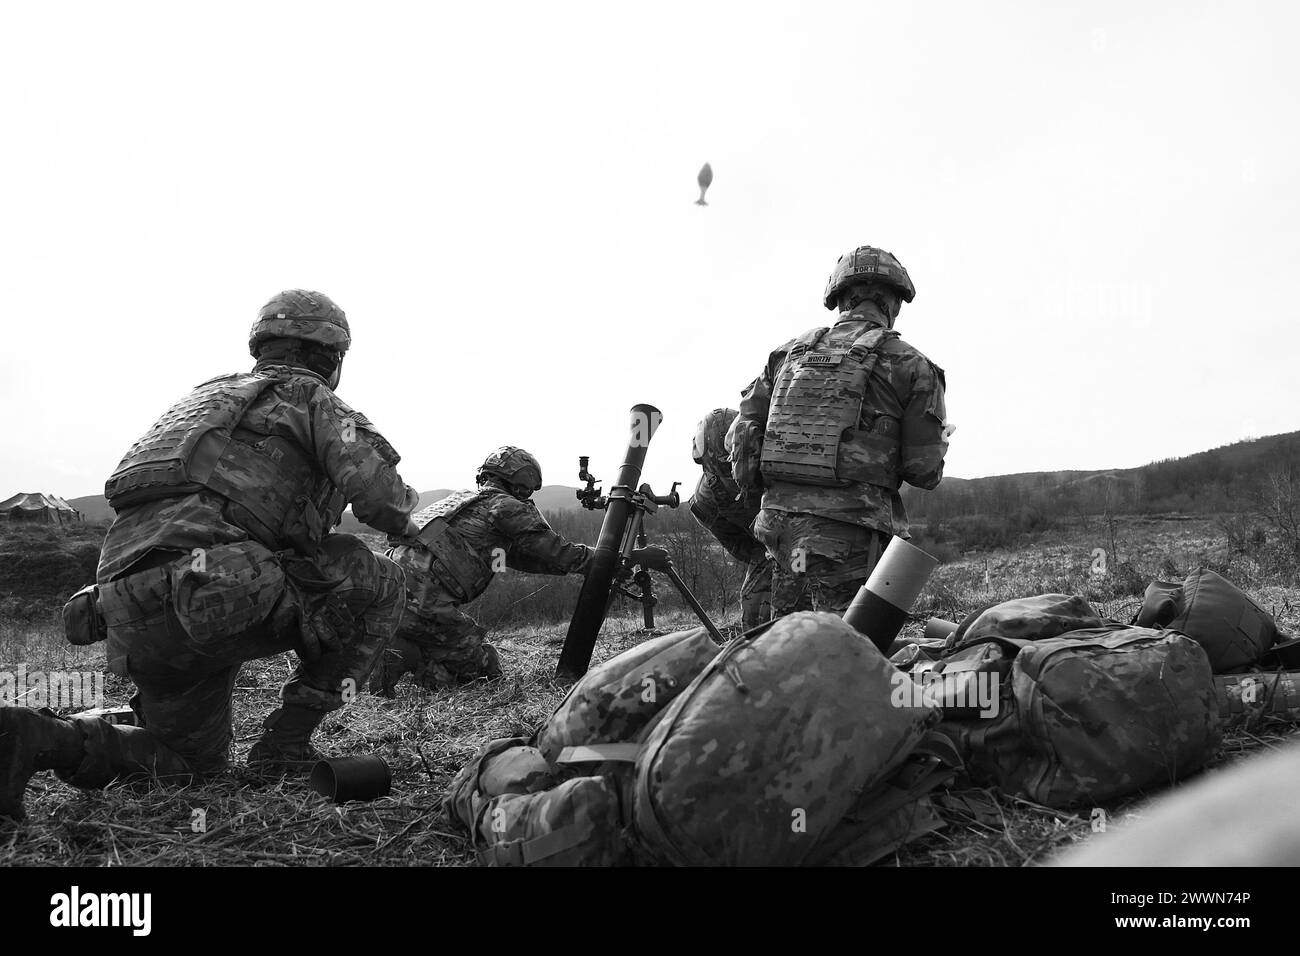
(879, 609)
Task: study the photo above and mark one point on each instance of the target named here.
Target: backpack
(796, 709)
(1025, 619)
(556, 799)
(519, 811)
(815, 414)
(1234, 630)
(1094, 714)
(761, 759)
(614, 702)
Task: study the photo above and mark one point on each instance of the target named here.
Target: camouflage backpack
(816, 410)
(780, 751)
(674, 753)
(1234, 630)
(558, 798)
(1024, 619)
(1093, 714)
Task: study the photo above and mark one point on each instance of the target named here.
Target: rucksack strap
(595, 753)
(529, 852)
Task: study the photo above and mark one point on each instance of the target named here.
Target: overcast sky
(1097, 203)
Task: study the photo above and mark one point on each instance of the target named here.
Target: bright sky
(1097, 204)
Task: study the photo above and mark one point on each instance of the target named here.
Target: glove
(653, 558)
(327, 627)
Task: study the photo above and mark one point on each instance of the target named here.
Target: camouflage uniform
(827, 539)
(191, 589)
(482, 531)
(719, 507)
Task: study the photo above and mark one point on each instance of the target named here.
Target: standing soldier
(463, 541)
(725, 513)
(835, 423)
(221, 553)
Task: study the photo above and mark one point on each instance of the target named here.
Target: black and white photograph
(677, 435)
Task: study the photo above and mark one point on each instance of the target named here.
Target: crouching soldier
(463, 540)
(220, 554)
(727, 515)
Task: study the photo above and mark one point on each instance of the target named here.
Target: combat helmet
(513, 465)
(865, 264)
(709, 447)
(301, 314)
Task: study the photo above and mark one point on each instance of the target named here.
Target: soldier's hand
(653, 558)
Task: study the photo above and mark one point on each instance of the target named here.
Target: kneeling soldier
(463, 540)
(221, 553)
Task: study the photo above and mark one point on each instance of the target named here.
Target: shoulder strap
(530, 852)
(590, 753)
(869, 341)
(806, 341)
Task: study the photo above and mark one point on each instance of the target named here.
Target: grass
(427, 737)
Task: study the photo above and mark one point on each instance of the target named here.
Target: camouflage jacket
(715, 507)
(486, 530)
(353, 463)
(906, 387)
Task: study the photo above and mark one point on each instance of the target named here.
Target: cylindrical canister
(363, 777)
(937, 629)
(880, 607)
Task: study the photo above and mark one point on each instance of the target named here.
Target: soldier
(463, 541)
(725, 513)
(220, 554)
(830, 429)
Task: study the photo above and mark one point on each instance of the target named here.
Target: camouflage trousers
(756, 593)
(440, 646)
(818, 563)
(182, 630)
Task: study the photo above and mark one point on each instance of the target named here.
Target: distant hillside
(1227, 478)
(93, 507)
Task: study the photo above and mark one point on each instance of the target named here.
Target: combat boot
(30, 741)
(400, 658)
(285, 745)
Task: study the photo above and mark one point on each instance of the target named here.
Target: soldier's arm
(924, 420)
(361, 464)
(534, 546)
(735, 540)
(745, 436)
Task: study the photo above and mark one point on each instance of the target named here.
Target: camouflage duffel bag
(1025, 619)
(1234, 630)
(761, 759)
(1093, 715)
(615, 701)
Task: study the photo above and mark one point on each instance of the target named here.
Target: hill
(1229, 478)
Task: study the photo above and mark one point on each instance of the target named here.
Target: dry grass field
(427, 737)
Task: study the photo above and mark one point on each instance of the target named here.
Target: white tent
(38, 507)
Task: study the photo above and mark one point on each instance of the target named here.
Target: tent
(38, 507)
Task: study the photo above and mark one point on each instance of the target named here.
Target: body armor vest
(453, 532)
(276, 490)
(815, 433)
